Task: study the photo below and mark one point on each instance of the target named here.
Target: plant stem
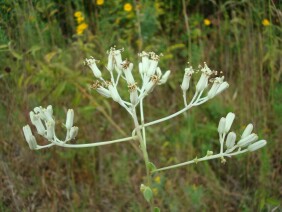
(58, 142)
(142, 144)
(200, 159)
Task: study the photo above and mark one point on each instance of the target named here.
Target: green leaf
(148, 194)
(156, 209)
(151, 167)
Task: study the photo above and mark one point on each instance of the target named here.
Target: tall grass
(42, 63)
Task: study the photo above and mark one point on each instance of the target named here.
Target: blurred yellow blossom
(78, 14)
(155, 191)
(80, 28)
(80, 19)
(207, 22)
(265, 22)
(127, 7)
(157, 179)
(100, 2)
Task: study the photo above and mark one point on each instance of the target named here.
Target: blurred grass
(42, 63)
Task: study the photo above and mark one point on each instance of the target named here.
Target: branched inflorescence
(209, 85)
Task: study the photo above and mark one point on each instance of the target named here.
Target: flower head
(265, 22)
(100, 2)
(127, 7)
(78, 14)
(207, 22)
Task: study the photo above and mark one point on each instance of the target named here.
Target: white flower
(145, 61)
(221, 125)
(73, 132)
(50, 130)
(223, 86)
(133, 94)
(152, 68)
(257, 145)
(230, 140)
(216, 84)
(114, 93)
(36, 121)
(164, 77)
(91, 62)
(186, 78)
(204, 79)
(69, 120)
(110, 65)
(104, 92)
(30, 139)
(118, 58)
(248, 130)
(128, 72)
(229, 121)
(248, 140)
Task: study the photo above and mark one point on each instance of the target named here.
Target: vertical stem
(186, 20)
(142, 122)
(142, 144)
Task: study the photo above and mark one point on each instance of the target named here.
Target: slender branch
(57, 143)
(196, 160)
(142, 122)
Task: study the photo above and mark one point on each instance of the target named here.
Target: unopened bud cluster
(248, 140)
(44, 123)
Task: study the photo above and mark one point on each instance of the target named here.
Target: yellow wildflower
(207, 22)
(157, 179)
(265, 22)
(127, 7)
(80, 28)
(80, 19)
(100, 2)
(155, 191)
(78, 14)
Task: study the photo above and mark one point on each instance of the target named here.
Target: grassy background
(42, 51)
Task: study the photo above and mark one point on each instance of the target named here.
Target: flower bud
(30, 139)
(73, 132)
(103, 91)
(221, 125)
(91, 62)
(229, 121)
(134, 96)
(114, 93)
(118, 58)
(145, 61)
(164, 77)
(216, 84)
(222, 87)
(257, 145)
(110, 65)
(50, 130)
(248, 130)
(152, 68)
(69, 120)
(36, 121)
(248, 140)
(128, 74)
(50, 110)
(186, 79)
(202, 83)
(230, 140)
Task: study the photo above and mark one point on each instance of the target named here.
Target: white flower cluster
(248, 140)
(44, 122)
(150, 73)
(151, 76)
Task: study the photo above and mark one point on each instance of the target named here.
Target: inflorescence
(208, 86)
